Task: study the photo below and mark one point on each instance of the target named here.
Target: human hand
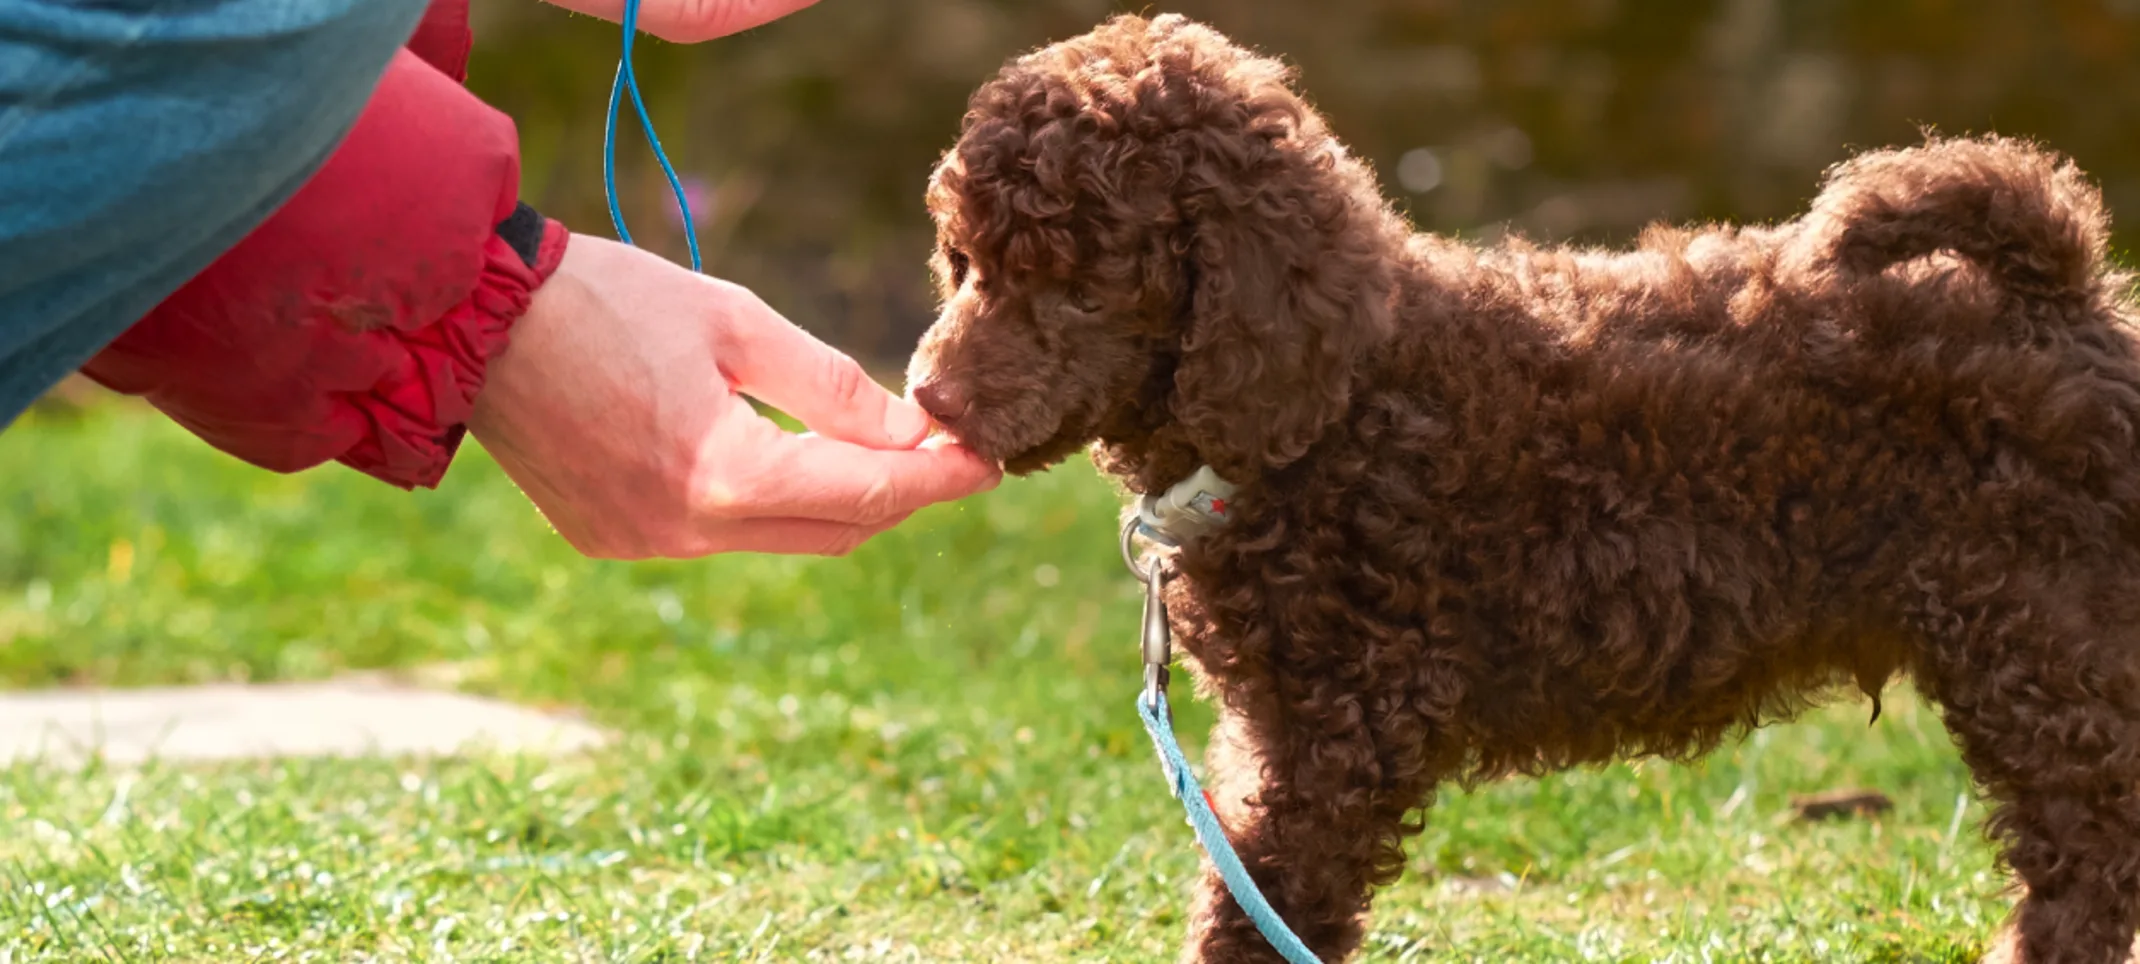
(691, 21)
(619, 409)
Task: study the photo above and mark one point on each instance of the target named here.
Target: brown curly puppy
(1507, 510)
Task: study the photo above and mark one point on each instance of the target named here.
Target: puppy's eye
(1085, 302)
(960, 265)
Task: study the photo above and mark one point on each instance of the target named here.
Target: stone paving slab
(338, 718)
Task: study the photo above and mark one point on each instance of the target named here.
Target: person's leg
(141, 139)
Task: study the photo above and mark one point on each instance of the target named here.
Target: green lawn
(923, 752)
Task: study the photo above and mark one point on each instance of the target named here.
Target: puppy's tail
(2027, 217)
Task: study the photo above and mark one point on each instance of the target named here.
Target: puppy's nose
(943, 401)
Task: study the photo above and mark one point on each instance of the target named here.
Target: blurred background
(805, 144)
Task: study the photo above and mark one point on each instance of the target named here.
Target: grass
(923, 752)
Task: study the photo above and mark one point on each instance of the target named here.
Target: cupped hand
(691, 21)
(619, 409)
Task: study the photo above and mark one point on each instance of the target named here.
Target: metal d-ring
(1130, 527)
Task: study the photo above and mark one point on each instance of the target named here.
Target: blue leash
(1158, 722)
(628, 81)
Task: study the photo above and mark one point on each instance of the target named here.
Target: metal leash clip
(1158, 636)
(1157, 639)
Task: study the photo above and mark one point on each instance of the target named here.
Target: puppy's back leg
(2034, 669)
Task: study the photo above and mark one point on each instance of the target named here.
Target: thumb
(692, 21)
(700, 20)
(768, 358)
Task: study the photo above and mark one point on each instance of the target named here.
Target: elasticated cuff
(418, 412)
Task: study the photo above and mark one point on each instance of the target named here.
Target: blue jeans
(140, 139)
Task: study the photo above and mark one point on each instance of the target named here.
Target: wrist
(545, 246)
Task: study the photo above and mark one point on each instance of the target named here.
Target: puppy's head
(1146, 238)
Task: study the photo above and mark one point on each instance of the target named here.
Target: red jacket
(356, 322)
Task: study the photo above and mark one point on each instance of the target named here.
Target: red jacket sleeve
(355, 324)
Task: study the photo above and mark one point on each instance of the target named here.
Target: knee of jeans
(165, 155)
(309, 69)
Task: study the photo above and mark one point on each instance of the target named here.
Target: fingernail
(905, 423)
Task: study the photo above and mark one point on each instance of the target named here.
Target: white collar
(1187, 510)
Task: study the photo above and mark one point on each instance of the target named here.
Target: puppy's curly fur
(1511, 509)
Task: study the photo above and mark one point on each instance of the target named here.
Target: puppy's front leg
(1316, 823)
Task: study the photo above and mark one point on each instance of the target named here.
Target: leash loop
(628, 82)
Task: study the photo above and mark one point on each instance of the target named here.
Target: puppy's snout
(944, 401)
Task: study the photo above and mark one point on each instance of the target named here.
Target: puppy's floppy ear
(1289, 276)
